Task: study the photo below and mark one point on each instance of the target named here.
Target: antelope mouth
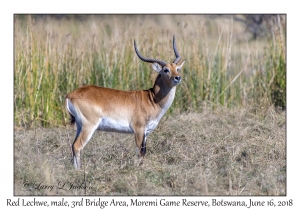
(175, 82)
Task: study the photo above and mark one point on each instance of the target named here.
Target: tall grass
(223, 66)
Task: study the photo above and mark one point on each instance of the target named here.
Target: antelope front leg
(140, 140)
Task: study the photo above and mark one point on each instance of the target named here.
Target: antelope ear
(156, 67)
(180, 66)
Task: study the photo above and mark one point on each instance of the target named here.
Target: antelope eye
(167, 70)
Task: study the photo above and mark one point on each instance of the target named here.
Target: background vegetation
(223, 135)
(230, 60)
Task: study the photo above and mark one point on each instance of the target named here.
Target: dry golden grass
(215, 152)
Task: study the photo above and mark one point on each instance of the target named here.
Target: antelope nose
(177, 78)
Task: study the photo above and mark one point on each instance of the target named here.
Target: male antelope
(137, 112)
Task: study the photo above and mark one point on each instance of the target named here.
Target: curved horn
(175, 51)
(149, 60)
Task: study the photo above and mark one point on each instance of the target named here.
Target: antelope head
(168, 71)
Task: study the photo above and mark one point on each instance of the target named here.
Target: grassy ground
(215, 152)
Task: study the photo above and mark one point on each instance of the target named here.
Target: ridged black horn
(149, 60)
(176, 52)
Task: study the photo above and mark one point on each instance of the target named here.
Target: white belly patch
(111, 125)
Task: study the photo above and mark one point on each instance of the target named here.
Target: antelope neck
(163, 95)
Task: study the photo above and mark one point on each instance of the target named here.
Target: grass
(224, 66)
(216, 152)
